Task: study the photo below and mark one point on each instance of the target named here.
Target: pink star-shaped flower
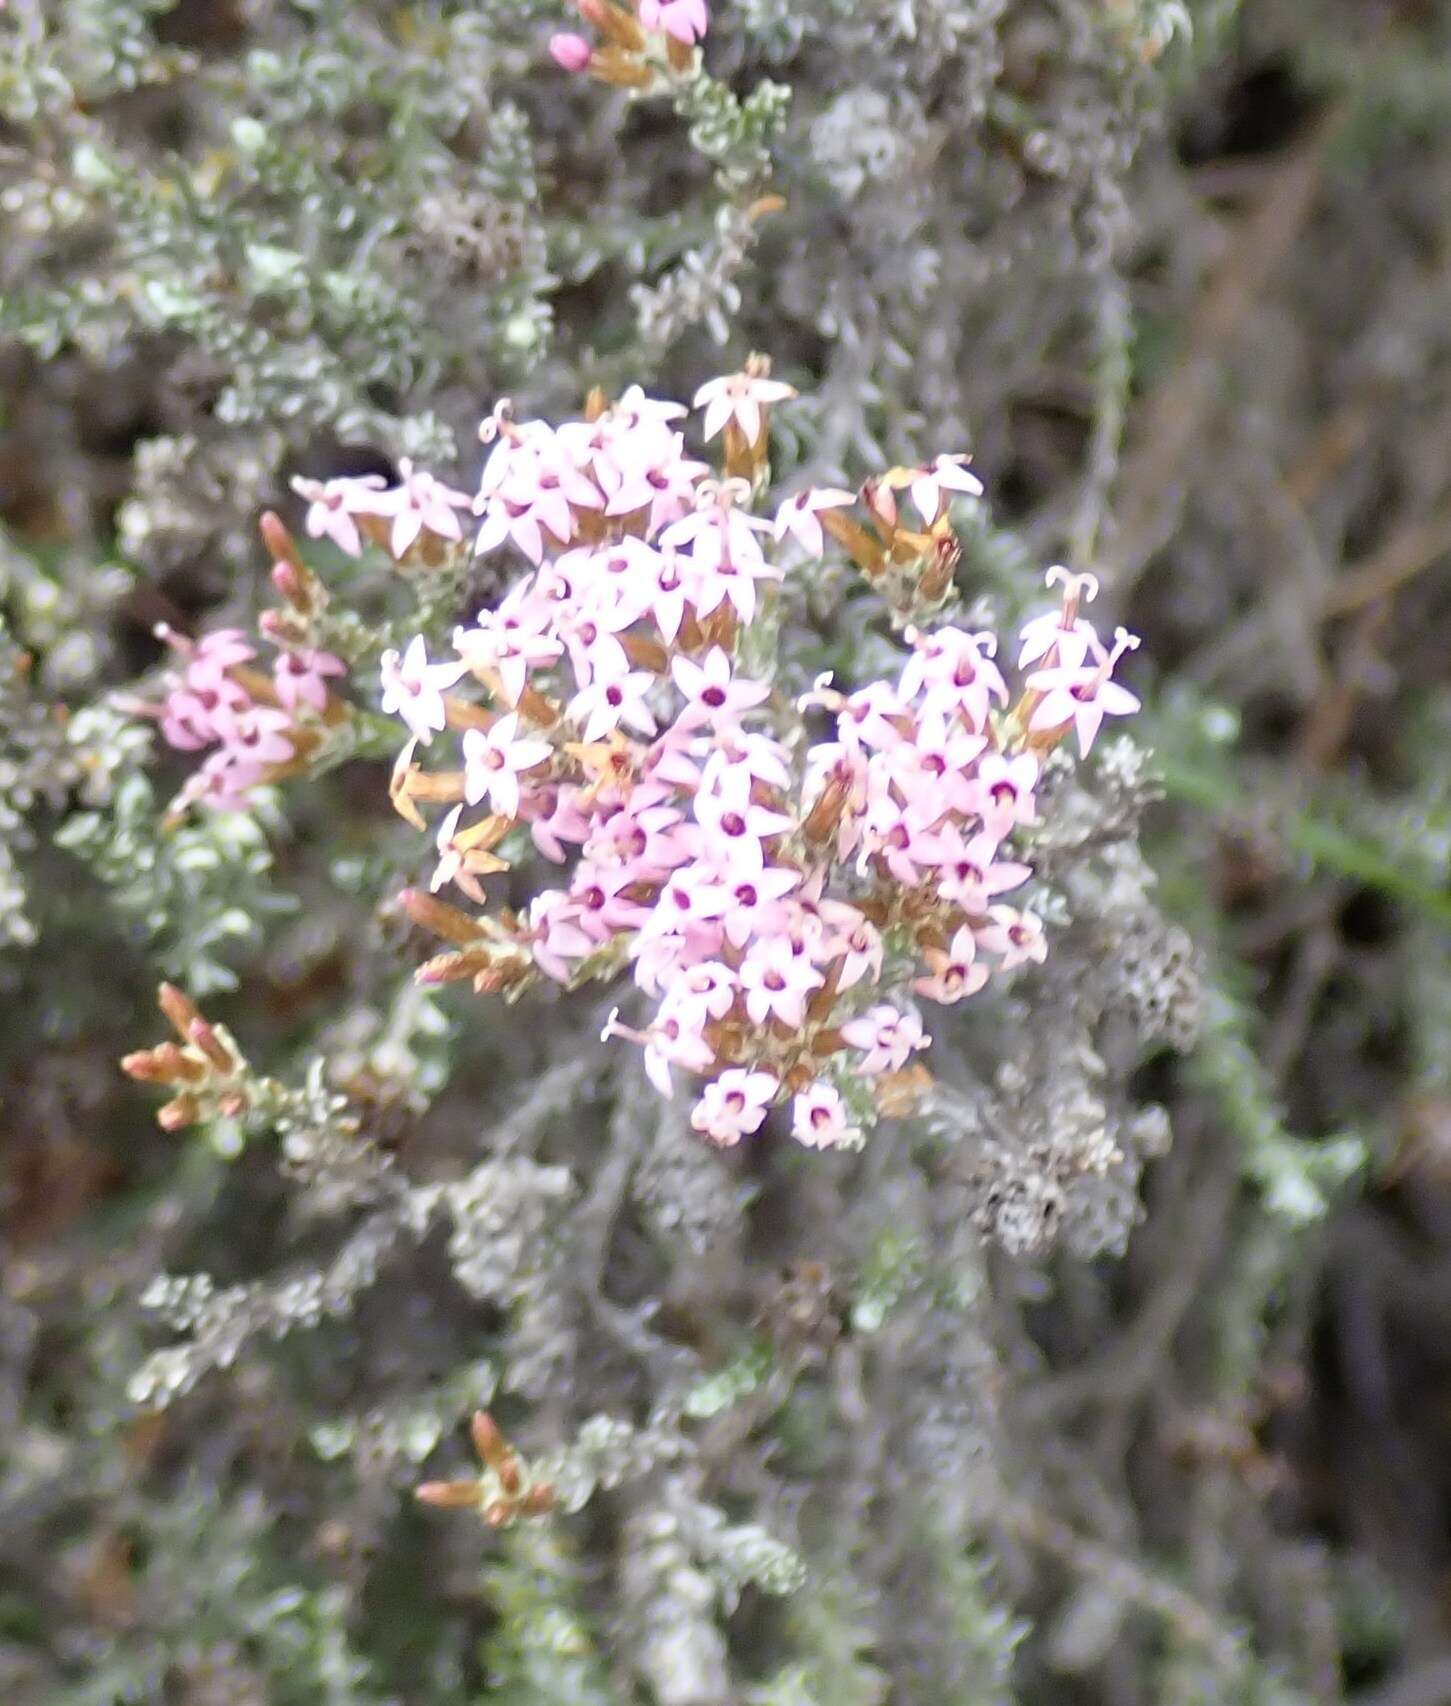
(887, 1038)
(494, 759)
(734, 1105)
(739, 397)
(413, 688)
(712, 693)
(819, 1118)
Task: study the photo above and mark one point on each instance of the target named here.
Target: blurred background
(1180, 277)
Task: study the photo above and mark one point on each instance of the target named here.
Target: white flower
(739, 397)
(413, 688)
(819, 1119)
(493, 760)
(932, 478)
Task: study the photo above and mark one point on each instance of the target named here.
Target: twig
(1119, 1575)
(1404, 555)
(1174, 415)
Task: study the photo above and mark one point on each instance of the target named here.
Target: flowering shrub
(684, 741)
(776, 870)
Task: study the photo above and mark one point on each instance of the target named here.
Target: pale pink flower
(887, 1038)
(819, 1118)
(943, 473)
(777, 983)
(633, 406)
(209, 658)
(609, 700)
(739, 397)
(530, 486)
(942, 761)
(734, 1105)
(258, 734)
(590, 632)
(855, 940)
(878, 715)
(332, 508)
(904, 842)
(712, 694)
(1003, 791)
(450, 867)
(729, 580)
(673, 1040)
(686, 20)
(955, 672)
(1016, 936)
(1063, 633)
(622, 575)
(639, 836)
(301, 677)
(557, 941)
(754, 754)
(732, 825)
(665, 946)
(605, 908)
(970, 873)
(800, 516)
(647, 468)
(706, 990)
(416, 503)
(225, 778)
(955, 973)
(191, 717)
(669, 595)
(494, 759)
(1083, 697)
(554, 819)
(754, 901)
(718, 526)
(511, 640)
(413, 688)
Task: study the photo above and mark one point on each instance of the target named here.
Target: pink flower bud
(571, 51)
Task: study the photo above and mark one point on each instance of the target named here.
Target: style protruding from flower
(777, 901)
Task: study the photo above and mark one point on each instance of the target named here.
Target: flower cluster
(418, 517)
(774, 897)
(260, 725)
(634, 40)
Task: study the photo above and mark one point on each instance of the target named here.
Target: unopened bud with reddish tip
(439, 917)
(276, 537)
(180, 1009)
(178, 1113)
(201, 1034)
(448, 1495)
(570, 51)
(144, 1066)
(295, 584)
(488, 1441)
(179, 1067)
